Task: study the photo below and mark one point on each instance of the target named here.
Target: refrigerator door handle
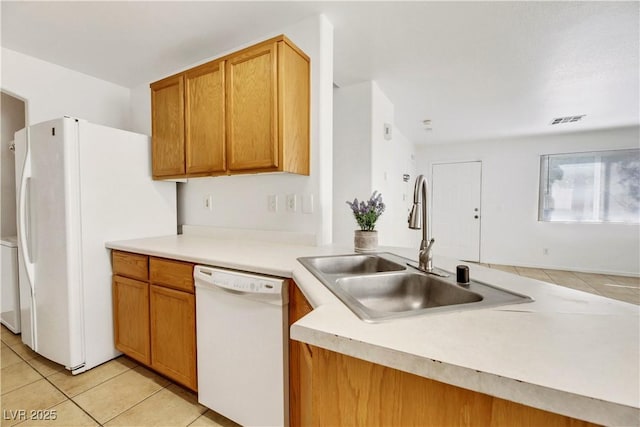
(24, 216)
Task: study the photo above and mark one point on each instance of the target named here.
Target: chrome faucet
(419, 220)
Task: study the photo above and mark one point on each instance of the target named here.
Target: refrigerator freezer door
(55, 241)
(25, 267)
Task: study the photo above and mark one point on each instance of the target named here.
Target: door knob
(475, 216)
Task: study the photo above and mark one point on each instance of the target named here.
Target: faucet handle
(430, 245)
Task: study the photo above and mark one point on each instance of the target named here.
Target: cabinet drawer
(173, 274)
(131, 265)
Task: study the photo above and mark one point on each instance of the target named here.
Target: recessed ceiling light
(568, 119)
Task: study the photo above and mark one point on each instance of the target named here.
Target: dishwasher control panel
(237, 281)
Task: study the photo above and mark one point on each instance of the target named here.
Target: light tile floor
(117, 393)
(123, 393)
(622, 288)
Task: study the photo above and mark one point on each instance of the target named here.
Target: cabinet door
(131, 318)
(204, 115)
(167, 122)
(252, 126)
(173, 334)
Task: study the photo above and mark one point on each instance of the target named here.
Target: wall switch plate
(291, 202)
(208, 202)
(387, 131)
(307, 203)
(272, 203)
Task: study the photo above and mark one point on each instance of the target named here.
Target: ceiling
(477, 70)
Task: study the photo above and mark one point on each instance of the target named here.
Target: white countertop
(568, 352)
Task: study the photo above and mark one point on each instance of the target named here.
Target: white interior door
(455, 212)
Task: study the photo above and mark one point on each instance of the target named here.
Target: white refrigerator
(80, 185)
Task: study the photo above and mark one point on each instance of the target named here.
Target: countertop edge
(536, 396)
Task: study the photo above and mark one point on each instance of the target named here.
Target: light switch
(208, 202)
(307, 203)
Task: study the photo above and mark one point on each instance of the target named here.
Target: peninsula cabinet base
(353, 392)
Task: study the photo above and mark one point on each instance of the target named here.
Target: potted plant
(366, 215)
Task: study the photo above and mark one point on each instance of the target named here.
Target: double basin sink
(384, 286)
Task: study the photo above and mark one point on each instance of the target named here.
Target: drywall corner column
(322, 118)
(351, 155)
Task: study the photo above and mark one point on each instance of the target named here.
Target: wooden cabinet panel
(130, 265)
(300, 364)
(350, 391)
(131, 318)
(167, 122)
(252, 133)
(204, 115)
(294, 96)
(173, 334)
(174, 274)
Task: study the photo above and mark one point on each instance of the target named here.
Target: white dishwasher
(242, 331)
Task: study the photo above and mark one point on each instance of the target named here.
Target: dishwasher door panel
(242, 357)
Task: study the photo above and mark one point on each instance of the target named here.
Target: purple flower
(367, 213)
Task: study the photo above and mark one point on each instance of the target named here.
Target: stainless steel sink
(353, 264)
(385, 286)
(404, 292)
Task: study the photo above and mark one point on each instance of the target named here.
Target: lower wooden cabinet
(154, 314)
(354, 392)
(300, 364)
(173, 342)
(131, 318)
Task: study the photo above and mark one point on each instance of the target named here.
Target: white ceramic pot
(365, 241)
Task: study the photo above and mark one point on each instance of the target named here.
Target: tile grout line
(135, 404)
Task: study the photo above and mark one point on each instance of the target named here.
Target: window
(597, 186)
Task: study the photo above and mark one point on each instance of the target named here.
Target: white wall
(392, 159)
(240, 201)
(511, 233)
(13, 119)
(53, 91)
(365, 162)
(351, 155)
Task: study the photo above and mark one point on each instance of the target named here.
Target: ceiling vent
(568, 119)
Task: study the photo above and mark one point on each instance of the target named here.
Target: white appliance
(9, 288)
(242, 331)
(78, 186)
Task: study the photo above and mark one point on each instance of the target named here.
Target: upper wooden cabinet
(247, 112)
(187, 123)
(167, 127)
(252, 106)
(268, 108)
(204, 115)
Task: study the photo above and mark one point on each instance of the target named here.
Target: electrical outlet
(545, 251)
(272, 203)
(291, 202)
